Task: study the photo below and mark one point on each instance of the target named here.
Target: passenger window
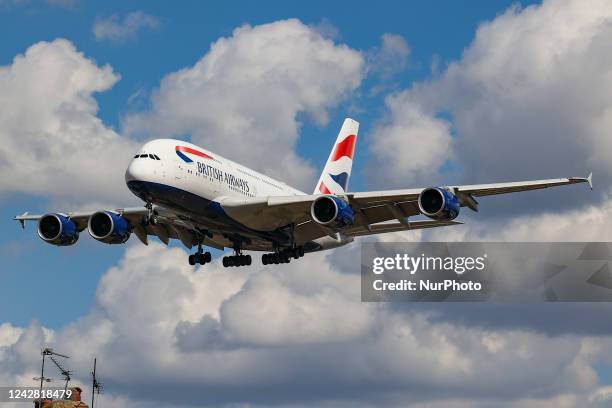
(137, 156)
(151, 157)
(156, 157)
(143, 155)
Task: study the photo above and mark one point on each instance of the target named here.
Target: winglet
(21, 220)
(590, 180)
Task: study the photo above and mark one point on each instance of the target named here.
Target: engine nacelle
(108, 227)
(57, 229)
(439, 204)
(332, 211)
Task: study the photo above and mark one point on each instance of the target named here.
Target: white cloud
(592, 223)
(391, 57)
(9, 335)
(51, 141)
(412, 145)
(242, 99)
(601, 397)
(530, 98)
(117, 29)
(292, 329)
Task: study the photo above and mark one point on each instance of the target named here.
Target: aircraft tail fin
(337, 171)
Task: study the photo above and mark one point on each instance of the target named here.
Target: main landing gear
(237, 260)
(200, 257)
(282, 256)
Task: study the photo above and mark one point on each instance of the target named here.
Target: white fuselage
(208, 175)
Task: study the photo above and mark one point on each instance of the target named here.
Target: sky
(446, 93)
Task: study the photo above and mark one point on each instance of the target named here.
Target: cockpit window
(147, 156)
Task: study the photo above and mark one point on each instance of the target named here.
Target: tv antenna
(65, 373)
(96, 386)
(45, 352)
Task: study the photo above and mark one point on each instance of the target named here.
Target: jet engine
(108, 227)
(439, 204)
(57, 229)
(333, 212)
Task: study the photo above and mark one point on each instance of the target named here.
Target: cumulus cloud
(590, 223)
(252, 87)
(411, 147)
(51, 141)
(529, 98)
(117, 29)
(391, 57)
(292, 335)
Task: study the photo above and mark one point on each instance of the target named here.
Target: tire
(207, 257)
(225, 262)
(191, 260)
(248, 260)
(264, 259)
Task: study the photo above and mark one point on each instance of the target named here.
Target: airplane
(205, 200)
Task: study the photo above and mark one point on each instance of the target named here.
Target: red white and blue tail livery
(337, 171)
(206, 200)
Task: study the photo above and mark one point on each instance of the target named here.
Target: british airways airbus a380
(203, 199)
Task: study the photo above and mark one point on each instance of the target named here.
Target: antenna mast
(45, 352)
(65, 373)
(96, 386)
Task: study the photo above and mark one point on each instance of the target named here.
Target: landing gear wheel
(282, 257)
(237, 260)
(201, 258)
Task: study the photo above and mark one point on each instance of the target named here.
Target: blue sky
(182, 37)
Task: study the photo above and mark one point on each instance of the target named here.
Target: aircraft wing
(80, 218)
(371, 208)
(465, 194)
(375, 213)
(168, 225)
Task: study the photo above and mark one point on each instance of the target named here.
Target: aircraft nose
(136, 171)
